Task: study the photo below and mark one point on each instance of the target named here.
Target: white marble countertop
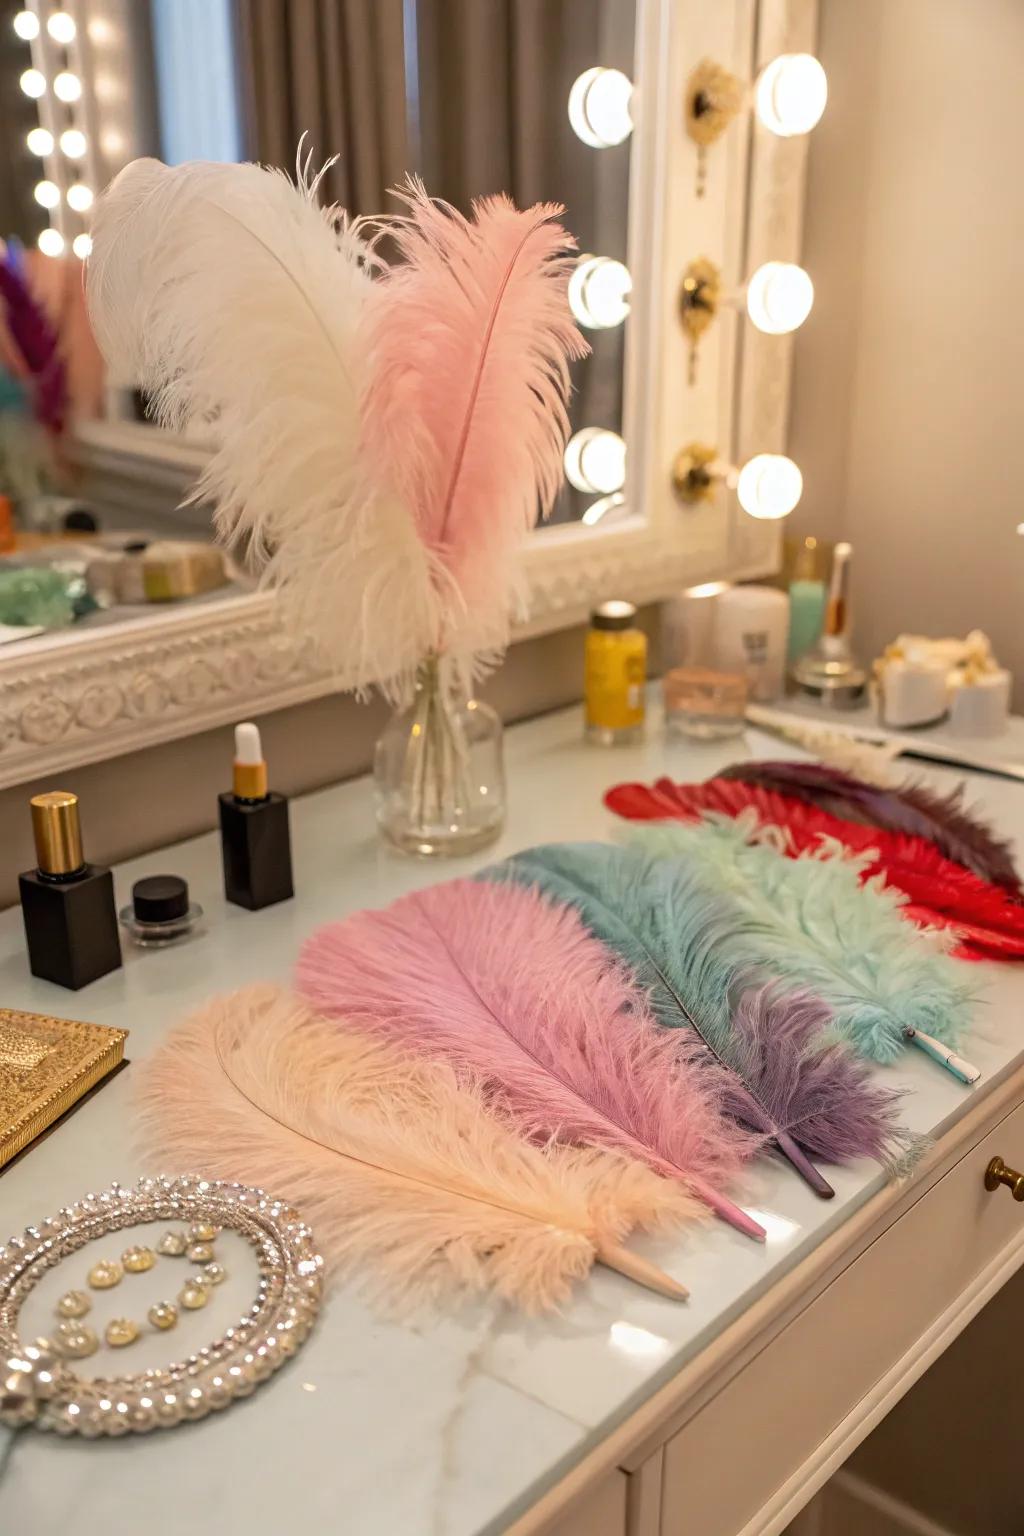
(449, 1428)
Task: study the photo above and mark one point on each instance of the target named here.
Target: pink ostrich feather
(511, 987)
(469, 339)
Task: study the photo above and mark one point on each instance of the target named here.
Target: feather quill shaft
(506, 984)
(811, 922)
(398, 1161)
(672, 933)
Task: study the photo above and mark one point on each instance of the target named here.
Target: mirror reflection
(472, 97)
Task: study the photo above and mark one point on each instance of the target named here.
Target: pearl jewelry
(105, 1274)
(199, 1253)
(41, 1387)
(193, 1295)
(163, 1314)
(172, 1245)
(75, 1340)
(73, 1304)
(214, 1274)
(137, 1260)
(121, 1331)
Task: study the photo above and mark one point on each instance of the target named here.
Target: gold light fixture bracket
(699, 299)
(714, 96)
(694, 475)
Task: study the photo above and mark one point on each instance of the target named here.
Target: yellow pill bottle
(615, 671)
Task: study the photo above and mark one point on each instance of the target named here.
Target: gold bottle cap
(57, 832)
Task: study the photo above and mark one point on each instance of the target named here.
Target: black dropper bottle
(254, 833)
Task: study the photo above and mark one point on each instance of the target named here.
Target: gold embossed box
(46, 1065)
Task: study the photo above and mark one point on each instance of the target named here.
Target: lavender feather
(912, 808)
(780, 1040)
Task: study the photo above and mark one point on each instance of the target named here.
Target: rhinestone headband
(36, 1387)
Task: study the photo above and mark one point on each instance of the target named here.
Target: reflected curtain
(335, 70)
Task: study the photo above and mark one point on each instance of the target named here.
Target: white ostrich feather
(227, 294)
(874, 762)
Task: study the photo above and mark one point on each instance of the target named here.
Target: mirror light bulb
(82, 246)
(599, 510)
(61, 27)
(51, 242)
(47, 194)
(39, 141)
(595, 461)
(79, 197)
(599, 290)
(67, 86)
(779, 297)
(26, 25)
(599, 107)
(33, 83)
(73, 143)
(769, 485)
(791, 94)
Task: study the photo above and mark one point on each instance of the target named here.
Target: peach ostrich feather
(411, 1179)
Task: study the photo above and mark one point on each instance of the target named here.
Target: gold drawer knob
(997, 1173)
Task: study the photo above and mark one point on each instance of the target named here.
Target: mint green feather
(809, 921)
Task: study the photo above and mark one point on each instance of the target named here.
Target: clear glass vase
(439, 771)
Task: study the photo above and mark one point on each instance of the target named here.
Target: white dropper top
(248, 748)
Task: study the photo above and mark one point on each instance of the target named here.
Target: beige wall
(906, 415)
(148, 799)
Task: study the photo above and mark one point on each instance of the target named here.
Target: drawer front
(602, 1512)
(723, 1467)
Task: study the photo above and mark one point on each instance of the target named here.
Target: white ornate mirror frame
(67, 698)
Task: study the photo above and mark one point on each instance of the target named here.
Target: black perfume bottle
(67, 904)
(254, 832)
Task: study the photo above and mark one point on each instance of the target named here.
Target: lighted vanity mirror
(133, 629)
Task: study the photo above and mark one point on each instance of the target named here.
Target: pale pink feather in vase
(469, 338)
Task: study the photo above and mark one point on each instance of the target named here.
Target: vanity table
(628, 1413)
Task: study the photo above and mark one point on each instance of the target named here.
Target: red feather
(939, 893)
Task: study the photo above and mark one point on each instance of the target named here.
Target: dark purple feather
(38, 344)
(962, 836)
(912, 808)
(812, 1085)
